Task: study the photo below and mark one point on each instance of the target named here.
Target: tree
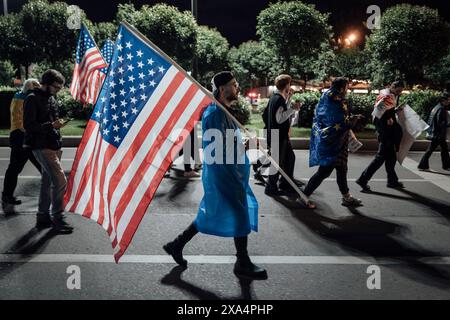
(406, 43)
(294, 30)
(47, 31)
(253, 63)
(14, 45)
(351, 63)
(173, 31)
(6, 72)
(126, 12)
(439, 72)
(211, 50)
(103, 31)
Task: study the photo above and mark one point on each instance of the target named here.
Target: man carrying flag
(89, 71)
(228, 208)
(146, 108)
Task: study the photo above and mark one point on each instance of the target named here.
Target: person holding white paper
(439, 123)
(389, 136)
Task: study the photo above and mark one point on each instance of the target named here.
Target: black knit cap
(222, 78)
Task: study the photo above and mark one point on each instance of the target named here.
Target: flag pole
(224, 109)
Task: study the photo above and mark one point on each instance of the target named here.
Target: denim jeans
(53, 182)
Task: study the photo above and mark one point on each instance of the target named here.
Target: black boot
(244, 268)
(175, 248)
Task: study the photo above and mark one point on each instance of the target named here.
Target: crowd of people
(229, 207)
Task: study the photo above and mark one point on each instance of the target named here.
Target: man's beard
(231, 97)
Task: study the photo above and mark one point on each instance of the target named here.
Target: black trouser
(239, 242)
(287, 163)
(18, 158)
(386, 154)
(424, 163)
(323, 173)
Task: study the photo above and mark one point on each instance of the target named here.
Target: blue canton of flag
(134, 73)
(107, 52)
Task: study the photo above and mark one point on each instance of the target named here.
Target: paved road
(320, 254)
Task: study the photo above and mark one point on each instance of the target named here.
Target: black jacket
(269, 117)
(39, 111)
(389, 134)
(438, 122)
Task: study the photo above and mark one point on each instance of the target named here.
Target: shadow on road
(443, 209)
(34, 241)
(373, 237)
(173, 278)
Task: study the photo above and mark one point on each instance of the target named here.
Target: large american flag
(89, 71)
(146, 109)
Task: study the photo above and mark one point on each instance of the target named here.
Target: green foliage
(8, 89)
(406, 43)
(103, 31)
(421, 101)
(362, 104)
(292, 29)
(46, 30)
(241, 110)
(6, 72)
(72, 108)
(439, 72)
(351, 63)
(252, 63)
(211, 51)
(13, 45)
(308, 102)
(173, 31)
(126, 12)
(65, 67)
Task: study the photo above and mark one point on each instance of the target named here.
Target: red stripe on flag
(154, 149)
(156, 181)
(84, 140)
(146, 128)
(85, 176)
(88, 210)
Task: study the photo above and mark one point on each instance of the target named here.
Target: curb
(297, 143)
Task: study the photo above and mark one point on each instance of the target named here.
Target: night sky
(236, 19)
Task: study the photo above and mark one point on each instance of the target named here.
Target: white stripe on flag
(156, 164)
(139, 157)
(84, 158)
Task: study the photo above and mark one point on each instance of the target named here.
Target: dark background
(236, 19)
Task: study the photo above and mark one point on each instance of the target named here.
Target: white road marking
(214, 259)
(440, 180)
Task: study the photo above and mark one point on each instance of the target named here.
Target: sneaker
(351, 202)
(364, 186)
(43, 221)
(423, 168)
(11, 200)
(191, 174)
(244, 268)
(396, 185)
